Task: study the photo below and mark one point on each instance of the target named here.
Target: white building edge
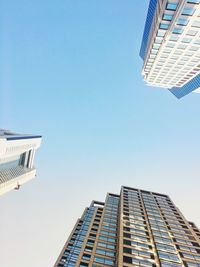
(17, 154)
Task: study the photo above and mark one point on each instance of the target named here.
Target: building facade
(170, 46)
(134, 228)
(16, 159)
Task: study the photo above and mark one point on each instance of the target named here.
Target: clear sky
(70, 70)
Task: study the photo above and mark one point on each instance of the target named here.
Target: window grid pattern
(166, 250)
(74, 246)
(173, 55)
(136, 228)
(137, 244)
(105, 253)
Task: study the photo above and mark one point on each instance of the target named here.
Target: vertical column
(72, 249)
(106, 243)
(136, 246)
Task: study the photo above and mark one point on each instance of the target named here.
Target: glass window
(164, 26)
(105, 245)
(191, 256)
(104, 261)
(156, 46)
(98, 259)
(86, 257)
(193, 48)
(177, 30)
(165, 247)
(174, 38)
(188, 11)
(105, 252)
(167, 17)
(171, 6)
(141, 262)
(188, 249)
(182, 21)
(167, 51)
(181, 46)
(196, 24)
(168, 256)
(11, 162)
(158, 40)
(171, 45)
(151, 56)
(193, 1)
(138, 244)
(191, 32)
(160, 33)
(169, 264)
(193, 264)
(186, 40)
(82, 264)
(154, 51)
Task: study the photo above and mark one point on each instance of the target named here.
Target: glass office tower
(170, 46)
(17, 154)
(135, 228)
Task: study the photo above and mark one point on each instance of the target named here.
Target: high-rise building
(16, 159)
(135, 228)
(170, 46)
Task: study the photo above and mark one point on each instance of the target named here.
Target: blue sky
(70, 70)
